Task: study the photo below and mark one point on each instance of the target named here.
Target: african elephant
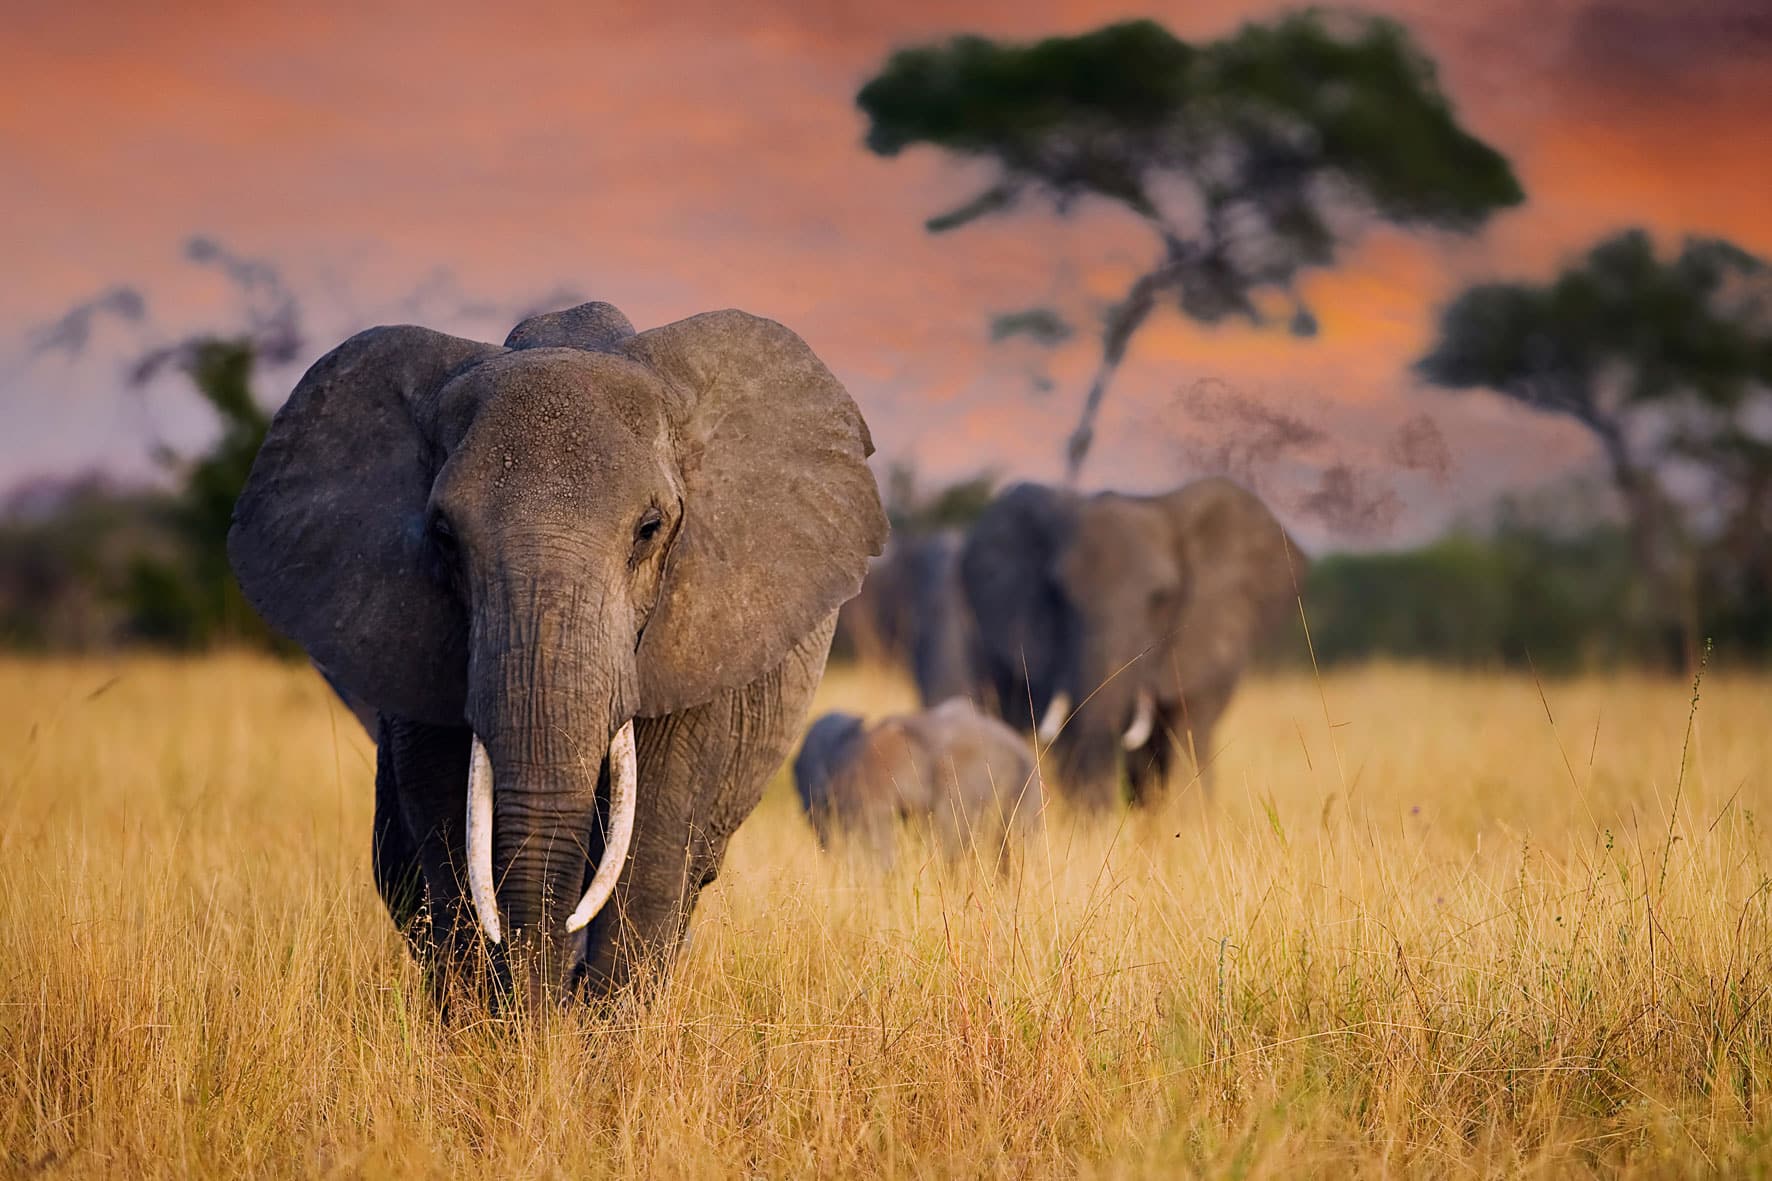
(587, 581)
(1116, 626)
(873, 628)
(910, 612)
(966, 776)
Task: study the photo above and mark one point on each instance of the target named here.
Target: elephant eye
(443, 533)
(651, 521)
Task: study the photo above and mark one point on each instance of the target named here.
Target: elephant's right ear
(329, 536)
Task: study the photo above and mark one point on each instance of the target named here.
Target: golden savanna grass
(1423, 929)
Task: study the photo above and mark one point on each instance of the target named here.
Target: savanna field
(1432, 923)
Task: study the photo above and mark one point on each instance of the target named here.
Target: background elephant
(911, 614)
(587, 581)
(873, 628)
(967, 777)
(1117, 626)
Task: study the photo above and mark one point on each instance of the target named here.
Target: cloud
(1652, 46)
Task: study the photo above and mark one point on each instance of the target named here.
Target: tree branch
(997, 197)
(1125, 319)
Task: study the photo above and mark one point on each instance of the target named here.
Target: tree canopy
(1619, 328)
(1252, 158)
(1668, 362)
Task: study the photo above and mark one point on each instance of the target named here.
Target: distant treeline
(89, 565)
(1519, 597)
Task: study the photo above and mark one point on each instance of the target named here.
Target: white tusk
(623, 773)
(1139, 732)
(1058, 711)
(480, 840)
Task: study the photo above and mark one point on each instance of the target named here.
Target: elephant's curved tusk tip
(623, 776)
(1143, 722)
(1058, 712)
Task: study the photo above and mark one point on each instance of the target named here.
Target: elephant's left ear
(780, 511)
(1243, 574)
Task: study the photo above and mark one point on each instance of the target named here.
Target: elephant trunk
(623, 777)
(541, 826)
(551, 710)
(1114, 713)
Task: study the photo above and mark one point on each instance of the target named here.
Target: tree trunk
(1125, 319)
(1660, 554)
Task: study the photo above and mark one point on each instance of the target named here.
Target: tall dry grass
(1424, 928)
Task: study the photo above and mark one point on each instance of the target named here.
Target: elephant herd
(581, 587)
(1110, 628)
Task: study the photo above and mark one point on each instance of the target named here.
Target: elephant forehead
(540, 390)
(1120, 541)
(561, 426)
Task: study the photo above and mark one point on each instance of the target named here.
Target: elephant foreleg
(1180, 748)
(394, 854)
(422, 791)
(701, 772)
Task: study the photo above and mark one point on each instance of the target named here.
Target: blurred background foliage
(86, 564)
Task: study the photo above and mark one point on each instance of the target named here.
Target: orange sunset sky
(455, 164)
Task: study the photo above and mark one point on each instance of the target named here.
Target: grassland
(1423, 928)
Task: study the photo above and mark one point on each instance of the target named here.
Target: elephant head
(964, 777)
(827, 753)
(1116, 626)
(547, 540)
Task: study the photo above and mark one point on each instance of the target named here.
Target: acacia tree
(190, 598)
(1668, 364)
(1251, 158)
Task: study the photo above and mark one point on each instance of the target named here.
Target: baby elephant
(968, 778)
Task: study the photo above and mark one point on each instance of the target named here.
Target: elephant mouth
(1134, 736)
(623, 778)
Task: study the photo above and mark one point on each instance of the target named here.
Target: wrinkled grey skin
(965, 777)
(1106, 595)
(536, 543)
(911, 613)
